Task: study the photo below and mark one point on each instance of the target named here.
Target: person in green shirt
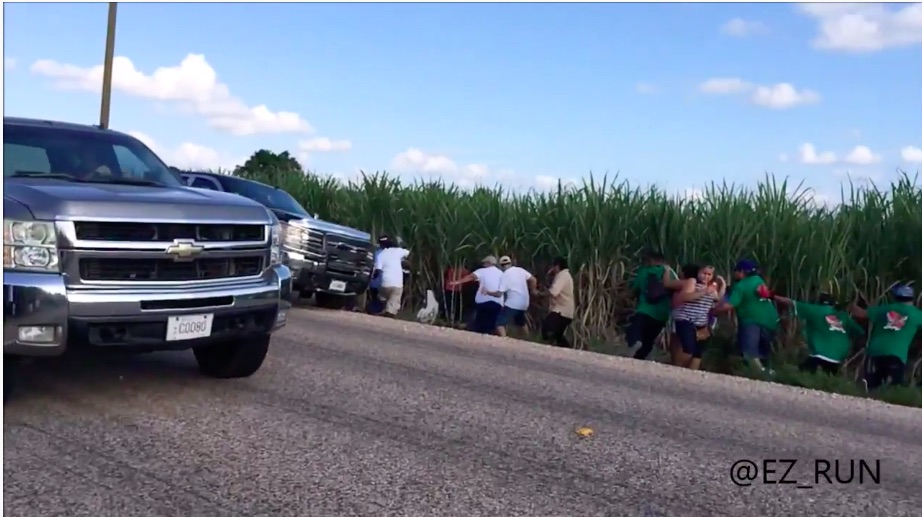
(893, 328)
(828, 330)
(650, 316)
(756, 315)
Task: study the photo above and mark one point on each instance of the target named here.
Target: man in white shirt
(516, 284)
(389, 268)
(488, 305)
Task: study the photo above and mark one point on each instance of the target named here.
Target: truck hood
(51, 199)
(328, 227)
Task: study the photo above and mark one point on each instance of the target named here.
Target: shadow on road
(90, 374)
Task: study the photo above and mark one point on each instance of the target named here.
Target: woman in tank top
(696, 294)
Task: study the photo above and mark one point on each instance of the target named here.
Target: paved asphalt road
(360, 416)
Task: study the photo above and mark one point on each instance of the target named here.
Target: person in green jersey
(756, 315)
(893, 328)
(828, 330)
(650, 316)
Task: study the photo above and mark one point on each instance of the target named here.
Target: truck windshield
(81, 154)
(268, 196)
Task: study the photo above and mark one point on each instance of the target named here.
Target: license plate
(194, 326)
(338, 286)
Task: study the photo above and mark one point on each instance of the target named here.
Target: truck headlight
(292, 236)
(30, 245)
(275, 249)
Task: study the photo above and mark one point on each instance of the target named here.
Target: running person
(653, 308)
(696, 294)
(515, 284)
(756, 315)
(893, 328)
(488, 306)
(828, 332)
(562, 304)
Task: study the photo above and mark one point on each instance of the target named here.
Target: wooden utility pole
(107, 68)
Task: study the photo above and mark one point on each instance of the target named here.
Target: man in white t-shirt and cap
(515, 284)
(488, 306)
(389, 268)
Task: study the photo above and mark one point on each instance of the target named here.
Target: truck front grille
(347, 256)
(314, 242)
(167, 270)
(167, 232)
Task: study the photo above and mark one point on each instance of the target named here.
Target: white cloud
(476, 171)
(739, 27)
(725, 85)
(911, 154)
(545, 182)
(865, 27)
(414, 160)
(646, 88)
(809, 155)
(345, 178)
(778, 96)
(783, 96)
(862, 155)
(193, 85)
(819, 200)
(189, 156)
(9, 63)
(324, 145)
(505, 174)
(691, 194)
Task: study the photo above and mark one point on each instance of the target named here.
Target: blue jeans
(514, 316)
(754, 341)
(486, 317)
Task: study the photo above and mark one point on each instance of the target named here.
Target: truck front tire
(232, 360)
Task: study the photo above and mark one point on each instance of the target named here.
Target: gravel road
(359, 416)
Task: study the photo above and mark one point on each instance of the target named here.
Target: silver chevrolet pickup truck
(103, 246)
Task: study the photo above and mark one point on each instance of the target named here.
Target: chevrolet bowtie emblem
(184, 250)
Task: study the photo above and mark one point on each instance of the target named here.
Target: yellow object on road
(584, 432)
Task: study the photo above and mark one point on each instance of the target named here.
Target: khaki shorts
(391, 296)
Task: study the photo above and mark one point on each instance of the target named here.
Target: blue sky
(677, 94)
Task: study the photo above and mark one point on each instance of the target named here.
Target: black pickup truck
(331, 261)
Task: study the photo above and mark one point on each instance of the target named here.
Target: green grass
(871, 240)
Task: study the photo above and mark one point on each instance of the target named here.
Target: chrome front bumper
(43, 300)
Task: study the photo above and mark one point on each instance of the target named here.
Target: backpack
(655, 291)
